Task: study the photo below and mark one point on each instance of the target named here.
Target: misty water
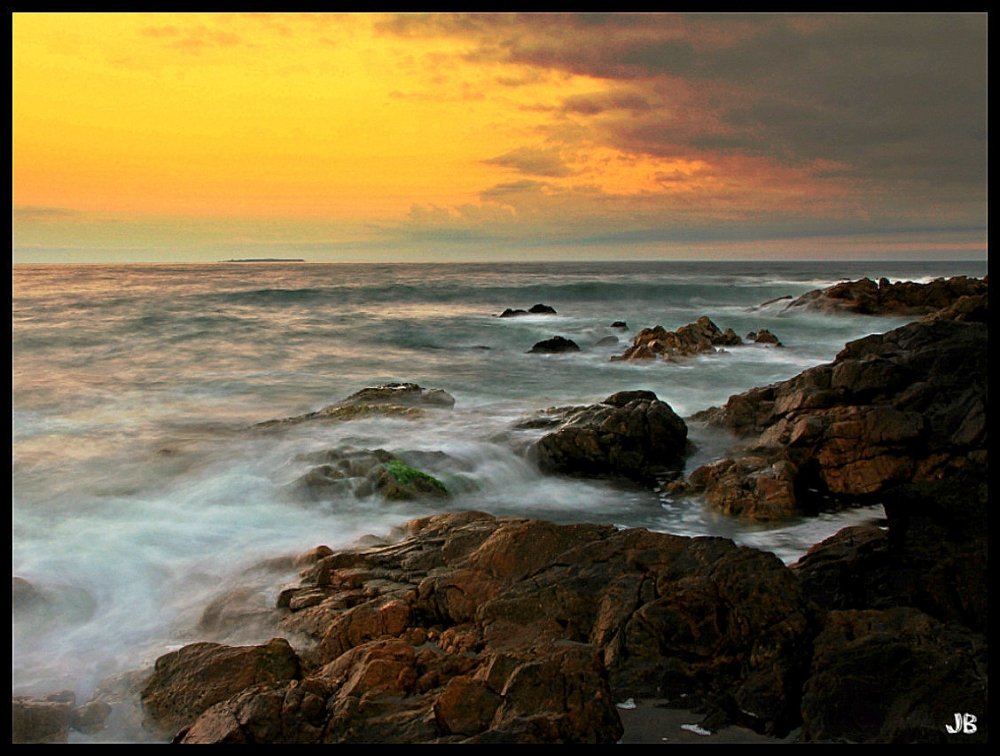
(142, 491)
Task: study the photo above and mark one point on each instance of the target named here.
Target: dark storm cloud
(888, 97)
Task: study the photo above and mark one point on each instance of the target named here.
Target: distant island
(267, 259)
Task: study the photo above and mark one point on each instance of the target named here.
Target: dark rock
(555, 345)
(894, 676)
(620, 324)
(631, 434)
(538, 309)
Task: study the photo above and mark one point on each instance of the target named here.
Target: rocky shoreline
(473, 628)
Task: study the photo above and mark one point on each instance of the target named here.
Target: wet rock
(406, 400)
(763, 336)
(631, 434)
(894, 676)
(41, 719)
(538, 309)
(695, 338)
(366, 472)
(866, 297)
(555, 345)
(187, 682)
(478, 629)
(905, 406)
(620, 324)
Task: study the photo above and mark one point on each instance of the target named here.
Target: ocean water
(141, 491)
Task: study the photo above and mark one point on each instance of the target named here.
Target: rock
(366, 472)
(407, 400)
(538, 309)
(631, 434)
(695, 338)
(607, 341)
(555, 345)
(905, 406)
(399, 482)
(188, 682)
(479, 629)
(541, 309)
(41, 719)
(894, 676)
(763, 336)
(903, 298)
(932, 556)
(620, 324)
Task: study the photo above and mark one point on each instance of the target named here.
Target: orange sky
(362, 136)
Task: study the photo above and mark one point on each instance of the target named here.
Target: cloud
(38, 214)
(890, 97)
(533, 161)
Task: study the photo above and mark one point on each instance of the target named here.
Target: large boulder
(905, 406)
(631, 434)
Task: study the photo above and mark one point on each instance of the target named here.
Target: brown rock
(187, 682)
(908, 405)
(695, 338)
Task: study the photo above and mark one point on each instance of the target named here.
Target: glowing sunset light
(366, 129)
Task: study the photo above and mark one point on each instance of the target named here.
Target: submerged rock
(407, 400)
(364, 472)
(631, 434)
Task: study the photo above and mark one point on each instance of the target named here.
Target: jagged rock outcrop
(406, 400)
(905, 406)
(479, 629)
(867, 297)
(631, 434)
(695, 338)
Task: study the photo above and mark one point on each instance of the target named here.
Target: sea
(143, 490)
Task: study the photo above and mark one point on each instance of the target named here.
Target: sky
(379, 137)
